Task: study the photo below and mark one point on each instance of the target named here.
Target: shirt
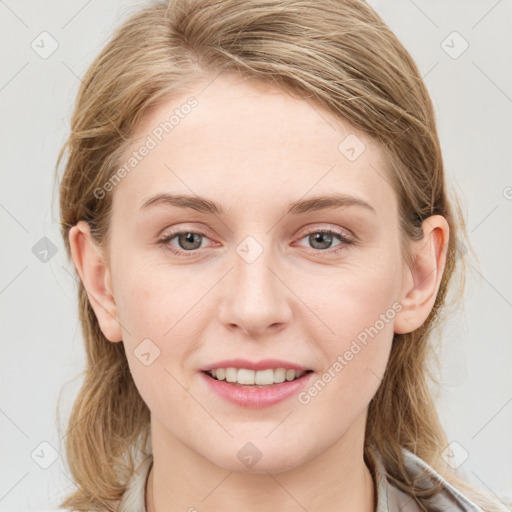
(387, 496)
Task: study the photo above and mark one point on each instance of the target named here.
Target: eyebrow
(201, 204)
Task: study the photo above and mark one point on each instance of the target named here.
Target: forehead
(234, 138)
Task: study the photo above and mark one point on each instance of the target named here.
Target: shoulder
(392, 499)
(133, 499)
(134, 496)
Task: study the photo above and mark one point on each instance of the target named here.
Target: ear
(91, 266)
(423, 278)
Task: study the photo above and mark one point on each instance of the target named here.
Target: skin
(254, 149)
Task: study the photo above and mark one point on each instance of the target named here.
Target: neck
(338, 479)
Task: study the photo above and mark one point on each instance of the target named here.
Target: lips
(255, 384)
(264, 364)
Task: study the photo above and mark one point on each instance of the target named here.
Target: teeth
(279, 375)
(231, 374)
(290, 374)
(247, 377)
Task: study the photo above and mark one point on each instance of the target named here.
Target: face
(271, 274)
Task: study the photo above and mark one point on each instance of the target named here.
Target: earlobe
(94, 273)
(426, 271)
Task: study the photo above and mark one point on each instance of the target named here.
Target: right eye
(186, 239)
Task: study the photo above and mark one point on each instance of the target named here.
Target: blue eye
(325, 236)
(190, 242)
(185, 239)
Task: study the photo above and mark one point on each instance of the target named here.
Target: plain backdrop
(463, 49)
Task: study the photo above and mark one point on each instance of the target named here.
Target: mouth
(244, 377)
(255, 385)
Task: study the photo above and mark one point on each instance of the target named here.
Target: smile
(247, 377)
(255, 388)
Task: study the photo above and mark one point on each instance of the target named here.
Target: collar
(388, 498)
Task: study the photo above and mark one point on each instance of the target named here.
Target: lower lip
(253, 396)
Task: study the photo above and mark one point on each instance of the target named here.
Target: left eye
(324, 239)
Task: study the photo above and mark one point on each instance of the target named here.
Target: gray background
(41, 345)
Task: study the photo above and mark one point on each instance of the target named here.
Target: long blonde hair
(337, 53)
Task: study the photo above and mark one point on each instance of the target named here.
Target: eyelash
(343, 239)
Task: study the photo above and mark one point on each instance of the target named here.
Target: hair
(338, 54)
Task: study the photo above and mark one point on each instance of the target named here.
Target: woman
(255, 204)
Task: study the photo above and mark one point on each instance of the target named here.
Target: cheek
(160, 311)
(156, 299)
(355, 363)
(359, 308)
(160, 329)
(353, 297)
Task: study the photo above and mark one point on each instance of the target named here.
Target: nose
(255, 297)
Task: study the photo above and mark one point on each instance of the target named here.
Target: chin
(249, 459)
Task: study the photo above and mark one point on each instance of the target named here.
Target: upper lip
(264, 364)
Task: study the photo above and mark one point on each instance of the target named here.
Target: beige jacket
(388, 497)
